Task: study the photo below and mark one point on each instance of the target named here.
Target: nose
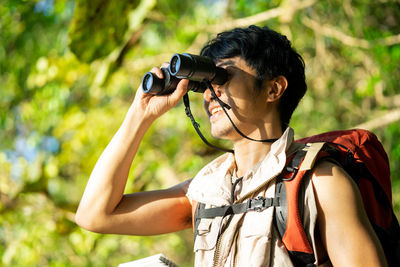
(208, 95)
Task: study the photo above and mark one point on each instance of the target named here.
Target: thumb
(180, 91)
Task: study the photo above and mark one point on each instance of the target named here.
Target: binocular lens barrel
(197, 69)
(149, 82)
(153, 85)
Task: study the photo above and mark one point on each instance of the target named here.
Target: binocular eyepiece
(198, 69)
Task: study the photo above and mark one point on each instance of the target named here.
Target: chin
(222, 132)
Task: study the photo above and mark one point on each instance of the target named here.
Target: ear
(276, 87)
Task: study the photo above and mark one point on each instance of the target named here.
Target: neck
(248, 153)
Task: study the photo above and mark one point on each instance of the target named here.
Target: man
(266, 82)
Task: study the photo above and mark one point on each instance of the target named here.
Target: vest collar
(212, 185)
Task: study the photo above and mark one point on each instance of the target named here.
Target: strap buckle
(261, 203)
(257, 204)
(293, 170)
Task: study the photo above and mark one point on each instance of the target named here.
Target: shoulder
(329, 173)
(342, 220)
(334, 188)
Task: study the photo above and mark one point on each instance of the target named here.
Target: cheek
(253, 108)
(242, 95)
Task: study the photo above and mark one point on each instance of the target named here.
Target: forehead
(235, 62)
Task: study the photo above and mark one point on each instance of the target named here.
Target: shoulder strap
(195, 219)
(288, 214)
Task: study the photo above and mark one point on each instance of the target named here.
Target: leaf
(98, 27)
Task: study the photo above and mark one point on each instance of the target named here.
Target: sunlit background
(68, 74)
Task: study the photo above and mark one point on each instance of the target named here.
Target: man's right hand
(152, 106)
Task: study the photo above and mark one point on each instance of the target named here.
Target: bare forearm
(100, 209)
(108, 179)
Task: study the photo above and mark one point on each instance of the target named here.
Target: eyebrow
(226, 63)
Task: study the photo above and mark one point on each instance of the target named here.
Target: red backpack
(362, 156)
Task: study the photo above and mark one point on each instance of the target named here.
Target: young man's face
(249, 107)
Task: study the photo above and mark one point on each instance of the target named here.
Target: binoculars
(197, 69)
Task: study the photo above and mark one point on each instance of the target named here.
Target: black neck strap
(224, 106)
(197, 126)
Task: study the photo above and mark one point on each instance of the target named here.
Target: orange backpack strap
(288, 215)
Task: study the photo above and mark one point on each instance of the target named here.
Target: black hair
(270, 54)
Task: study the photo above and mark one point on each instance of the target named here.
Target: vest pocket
(254, 241)
(257, 224)
(207, 234)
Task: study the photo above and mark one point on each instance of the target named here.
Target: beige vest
(248, 239)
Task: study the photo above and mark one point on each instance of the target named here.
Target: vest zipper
(257, 189)
(217, 246)
(216, 253)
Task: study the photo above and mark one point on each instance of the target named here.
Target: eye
(228, 78)
(230, 72)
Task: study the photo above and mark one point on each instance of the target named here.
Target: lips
(213, 109)
(212, 106)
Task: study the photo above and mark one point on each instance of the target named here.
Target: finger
(180, 90)
(182, 85)
(157, 71)
(165, 65)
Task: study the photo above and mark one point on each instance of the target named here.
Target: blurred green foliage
(69, 71)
